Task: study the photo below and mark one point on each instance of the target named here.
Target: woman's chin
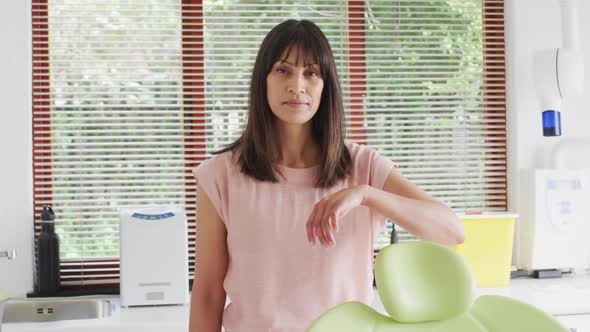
(295, 116)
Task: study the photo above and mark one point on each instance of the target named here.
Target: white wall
(533, 25)
(530, 25)
(16, 196)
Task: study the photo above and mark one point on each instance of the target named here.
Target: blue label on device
(152, 216)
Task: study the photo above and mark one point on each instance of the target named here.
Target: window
(129, 96)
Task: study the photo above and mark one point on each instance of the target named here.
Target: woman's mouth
(296, 103)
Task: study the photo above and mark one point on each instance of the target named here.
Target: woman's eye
(281, 70)
(313, 73)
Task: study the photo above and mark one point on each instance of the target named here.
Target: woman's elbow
(451, 233)
(457, 234)
(460, 236)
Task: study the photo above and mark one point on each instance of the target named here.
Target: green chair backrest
(419, 282)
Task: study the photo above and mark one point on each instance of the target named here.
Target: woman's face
(294, 91)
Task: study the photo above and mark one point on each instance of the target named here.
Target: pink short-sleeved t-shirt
(276, 281)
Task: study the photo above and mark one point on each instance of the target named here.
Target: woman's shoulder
(219, 163)
(363, 155)
(358, 150)
(352, 146)
(224, 157)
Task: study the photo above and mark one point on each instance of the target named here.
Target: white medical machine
(154, 256)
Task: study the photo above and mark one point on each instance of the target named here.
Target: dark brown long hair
(257, 148)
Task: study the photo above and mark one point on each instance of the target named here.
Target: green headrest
(419, 282)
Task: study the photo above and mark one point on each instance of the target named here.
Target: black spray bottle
(48, 276)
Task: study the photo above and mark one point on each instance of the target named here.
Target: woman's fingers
(311, 234)
(323, 236)
(322, 223)
(328, 239)
(334, 221)
(326, 225)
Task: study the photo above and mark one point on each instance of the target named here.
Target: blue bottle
(551, 123)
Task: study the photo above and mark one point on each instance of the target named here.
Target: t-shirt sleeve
(380, 168)
(210, 175)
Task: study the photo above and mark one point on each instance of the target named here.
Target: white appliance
(552, 232)
(154, 256)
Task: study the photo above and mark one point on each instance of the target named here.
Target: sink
(50, 310)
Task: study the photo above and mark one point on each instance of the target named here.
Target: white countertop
(569, 295)
(568, 298)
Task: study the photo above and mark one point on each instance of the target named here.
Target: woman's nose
(296, 91)
(296, 85)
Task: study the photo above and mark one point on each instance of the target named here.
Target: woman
(287, 213)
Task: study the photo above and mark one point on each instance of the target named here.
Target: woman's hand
(324, 217)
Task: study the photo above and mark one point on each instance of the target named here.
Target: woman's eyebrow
(290, 64)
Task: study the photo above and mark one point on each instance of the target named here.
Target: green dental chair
(428, 287)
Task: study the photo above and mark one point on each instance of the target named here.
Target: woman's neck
(297, 148)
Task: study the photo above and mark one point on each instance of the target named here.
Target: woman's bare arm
(211, 260)
(415, 210)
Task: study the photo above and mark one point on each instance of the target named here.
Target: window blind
(130, 96)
